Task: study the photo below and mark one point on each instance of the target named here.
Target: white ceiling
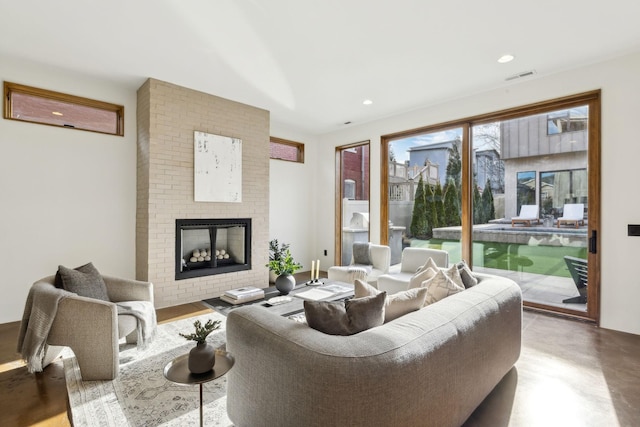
(312, 62)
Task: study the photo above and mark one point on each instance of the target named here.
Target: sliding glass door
(538, 164)
(526, 205)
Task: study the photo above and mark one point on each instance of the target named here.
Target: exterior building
(545, 158)
(436, 154)
(355, 173)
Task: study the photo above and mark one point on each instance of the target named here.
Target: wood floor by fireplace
(206, 247)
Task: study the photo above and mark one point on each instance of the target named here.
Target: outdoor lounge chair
(579, 272)
(572, 214)
(528, 213)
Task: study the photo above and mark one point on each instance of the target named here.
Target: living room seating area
(419, 369)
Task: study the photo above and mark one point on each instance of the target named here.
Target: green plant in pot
(284, 266)
(203, 356)
(277, 251)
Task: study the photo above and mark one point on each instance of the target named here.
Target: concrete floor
(570, 373)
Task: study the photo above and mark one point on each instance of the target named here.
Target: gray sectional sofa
(431, 367)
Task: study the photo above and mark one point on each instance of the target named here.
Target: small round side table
(177, 371)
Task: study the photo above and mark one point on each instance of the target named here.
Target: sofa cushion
(396, 305)
(346, 317)
(467, 276)
(85, 281)
(441, 284)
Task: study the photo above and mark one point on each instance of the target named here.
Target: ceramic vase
(285, 283)
(202, 357)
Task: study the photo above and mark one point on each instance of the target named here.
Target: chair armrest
(381, 257)
(90, 328)
(81, 318)
(120, 289)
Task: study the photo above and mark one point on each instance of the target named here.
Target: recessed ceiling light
(506, 58)
(367, 102)
(56, 113)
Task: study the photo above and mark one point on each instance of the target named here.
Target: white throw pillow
(430, 263)
(396, 305)
(441, 285)
(425, 273)
(454, 274)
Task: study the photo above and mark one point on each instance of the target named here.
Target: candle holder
(314, 282)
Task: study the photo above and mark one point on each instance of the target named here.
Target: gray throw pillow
(346, 317)
(85, 281)
(465, 273)
(396, 305)
(361, 253)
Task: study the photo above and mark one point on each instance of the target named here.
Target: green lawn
(547, 260)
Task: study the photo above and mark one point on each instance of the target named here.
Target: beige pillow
(424, 274)
(346, 317)
(441, 286)
(430, 263)
(396, 305)
(454, 274)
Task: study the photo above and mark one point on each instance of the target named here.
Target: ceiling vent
(521, 75)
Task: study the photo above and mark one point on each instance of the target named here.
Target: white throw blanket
(39, 311)
(359, 272)
(145, 314)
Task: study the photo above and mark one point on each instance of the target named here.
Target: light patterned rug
(140, 395)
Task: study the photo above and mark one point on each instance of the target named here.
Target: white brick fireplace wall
(167, 116)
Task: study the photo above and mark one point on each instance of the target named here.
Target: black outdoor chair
(579, 272)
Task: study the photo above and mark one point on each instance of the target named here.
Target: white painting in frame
(217, 168)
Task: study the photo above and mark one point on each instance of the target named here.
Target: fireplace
(206, 247)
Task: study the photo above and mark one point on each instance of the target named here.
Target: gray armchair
(92, 328)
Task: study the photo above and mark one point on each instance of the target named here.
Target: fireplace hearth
(206, 247)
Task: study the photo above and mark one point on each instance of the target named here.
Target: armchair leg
(132, 338)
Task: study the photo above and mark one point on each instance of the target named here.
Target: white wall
(618, 79)
(67, 196)
(293, 208)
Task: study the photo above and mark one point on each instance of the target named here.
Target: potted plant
(283, 266)
(276, 252)
(203, 356)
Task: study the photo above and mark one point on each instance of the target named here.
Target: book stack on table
(242, 295)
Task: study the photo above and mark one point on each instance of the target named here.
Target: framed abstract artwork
(217, 168)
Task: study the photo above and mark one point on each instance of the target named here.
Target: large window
(457, 186)
(558, 188)
(526, 190)
(352, 202)
(46, 107)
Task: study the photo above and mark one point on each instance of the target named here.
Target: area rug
(140, 395)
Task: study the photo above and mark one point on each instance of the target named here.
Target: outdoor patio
(532, 256)
(542, 289)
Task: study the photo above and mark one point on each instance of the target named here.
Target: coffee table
(293, 307)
